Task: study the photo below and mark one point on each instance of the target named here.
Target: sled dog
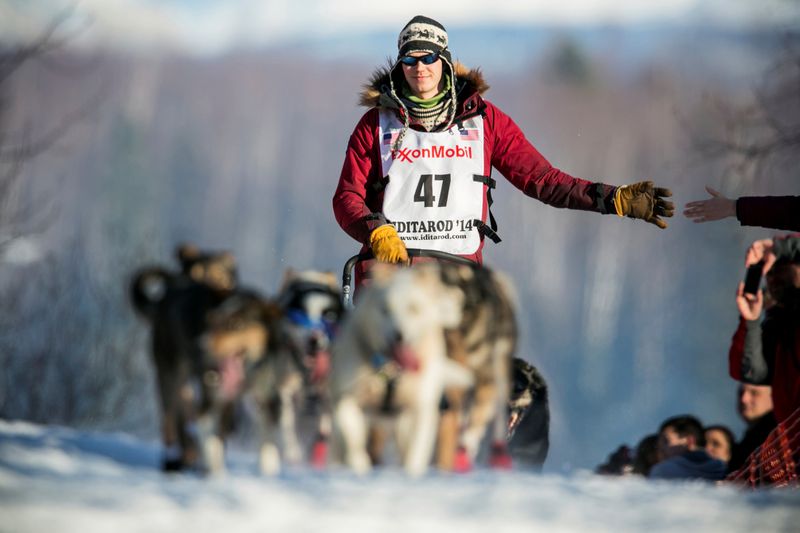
(418, 336)
(529, 416)
(175, 303)
(284, 345)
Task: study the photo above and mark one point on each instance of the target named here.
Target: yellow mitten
(387, 246)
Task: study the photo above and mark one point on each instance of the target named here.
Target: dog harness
(434, 185)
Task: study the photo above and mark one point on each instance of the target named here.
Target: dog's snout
(317, 342)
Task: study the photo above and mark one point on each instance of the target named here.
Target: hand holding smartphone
(752, 279)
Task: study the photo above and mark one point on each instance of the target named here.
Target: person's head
(783, 283)
(423, 56)
(680, 434)
(754, 402)
(719, 442)
(646, 455)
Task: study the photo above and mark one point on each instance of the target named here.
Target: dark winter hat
(423, 34)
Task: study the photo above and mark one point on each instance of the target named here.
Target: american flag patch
(468, 134)
(390, 136)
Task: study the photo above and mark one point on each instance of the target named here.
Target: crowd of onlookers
(764, 357)
(683, 448)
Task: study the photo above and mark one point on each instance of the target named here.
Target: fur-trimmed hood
(375, 93)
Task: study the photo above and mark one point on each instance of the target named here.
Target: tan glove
(387, 246)
(645, 201)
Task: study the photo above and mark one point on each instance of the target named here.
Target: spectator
(681, 446)
(646, 455)
(719, 442)
(776, 212)
(755, 408)
(618, 463)
(771, 356)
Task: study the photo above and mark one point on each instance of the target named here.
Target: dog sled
(347, 273)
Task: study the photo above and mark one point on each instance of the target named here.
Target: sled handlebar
(347, 273)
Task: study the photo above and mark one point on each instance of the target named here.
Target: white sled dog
(418, 336)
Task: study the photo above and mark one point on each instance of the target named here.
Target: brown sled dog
(285, 344)
(175, 304)
(484, 342)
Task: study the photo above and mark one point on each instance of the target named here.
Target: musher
(417, 171)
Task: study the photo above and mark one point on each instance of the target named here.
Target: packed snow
(55, 479)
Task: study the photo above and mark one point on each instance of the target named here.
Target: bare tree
(19, 219)
(759, 140)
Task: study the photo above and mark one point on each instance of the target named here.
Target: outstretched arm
(777, 212)
(517, 159)
(715, 208)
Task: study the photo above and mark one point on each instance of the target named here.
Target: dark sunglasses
(429, 59)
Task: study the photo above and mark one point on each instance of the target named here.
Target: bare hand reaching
(715, 208)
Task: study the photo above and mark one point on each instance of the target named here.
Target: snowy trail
(55, 479)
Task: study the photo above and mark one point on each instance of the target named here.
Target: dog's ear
(186, 252)
(329, 278)
(270, 311)
(228, 260)
(289, 275)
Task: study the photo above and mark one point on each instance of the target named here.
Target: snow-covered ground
(55, 479)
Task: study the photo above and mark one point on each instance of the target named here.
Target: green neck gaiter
(430, 102)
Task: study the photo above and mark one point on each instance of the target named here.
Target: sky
(210, 26)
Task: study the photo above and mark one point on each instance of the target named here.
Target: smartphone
(752, 280)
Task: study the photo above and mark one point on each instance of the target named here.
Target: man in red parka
(417, 171)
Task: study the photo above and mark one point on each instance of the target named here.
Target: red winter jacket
(769, 353)
(357, 205)
(780, 344)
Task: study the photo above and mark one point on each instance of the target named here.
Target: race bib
(435, 190)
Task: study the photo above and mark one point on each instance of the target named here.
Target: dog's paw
(172, 465)
(214, 456)
(499, 458)
(319, 454)
(461, 461)
(269, 460)
(359, 462)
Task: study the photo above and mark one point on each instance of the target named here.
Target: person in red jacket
(417, 171)
(768, 352)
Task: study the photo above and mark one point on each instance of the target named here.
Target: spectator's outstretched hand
(715, 208)
(645, 201)
(758, 251)
(750, 305)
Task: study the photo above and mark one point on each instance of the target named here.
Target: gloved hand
(387, 246)
(644, 200)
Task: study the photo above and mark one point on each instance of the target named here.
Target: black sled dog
(175, 304)
(529, 417)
